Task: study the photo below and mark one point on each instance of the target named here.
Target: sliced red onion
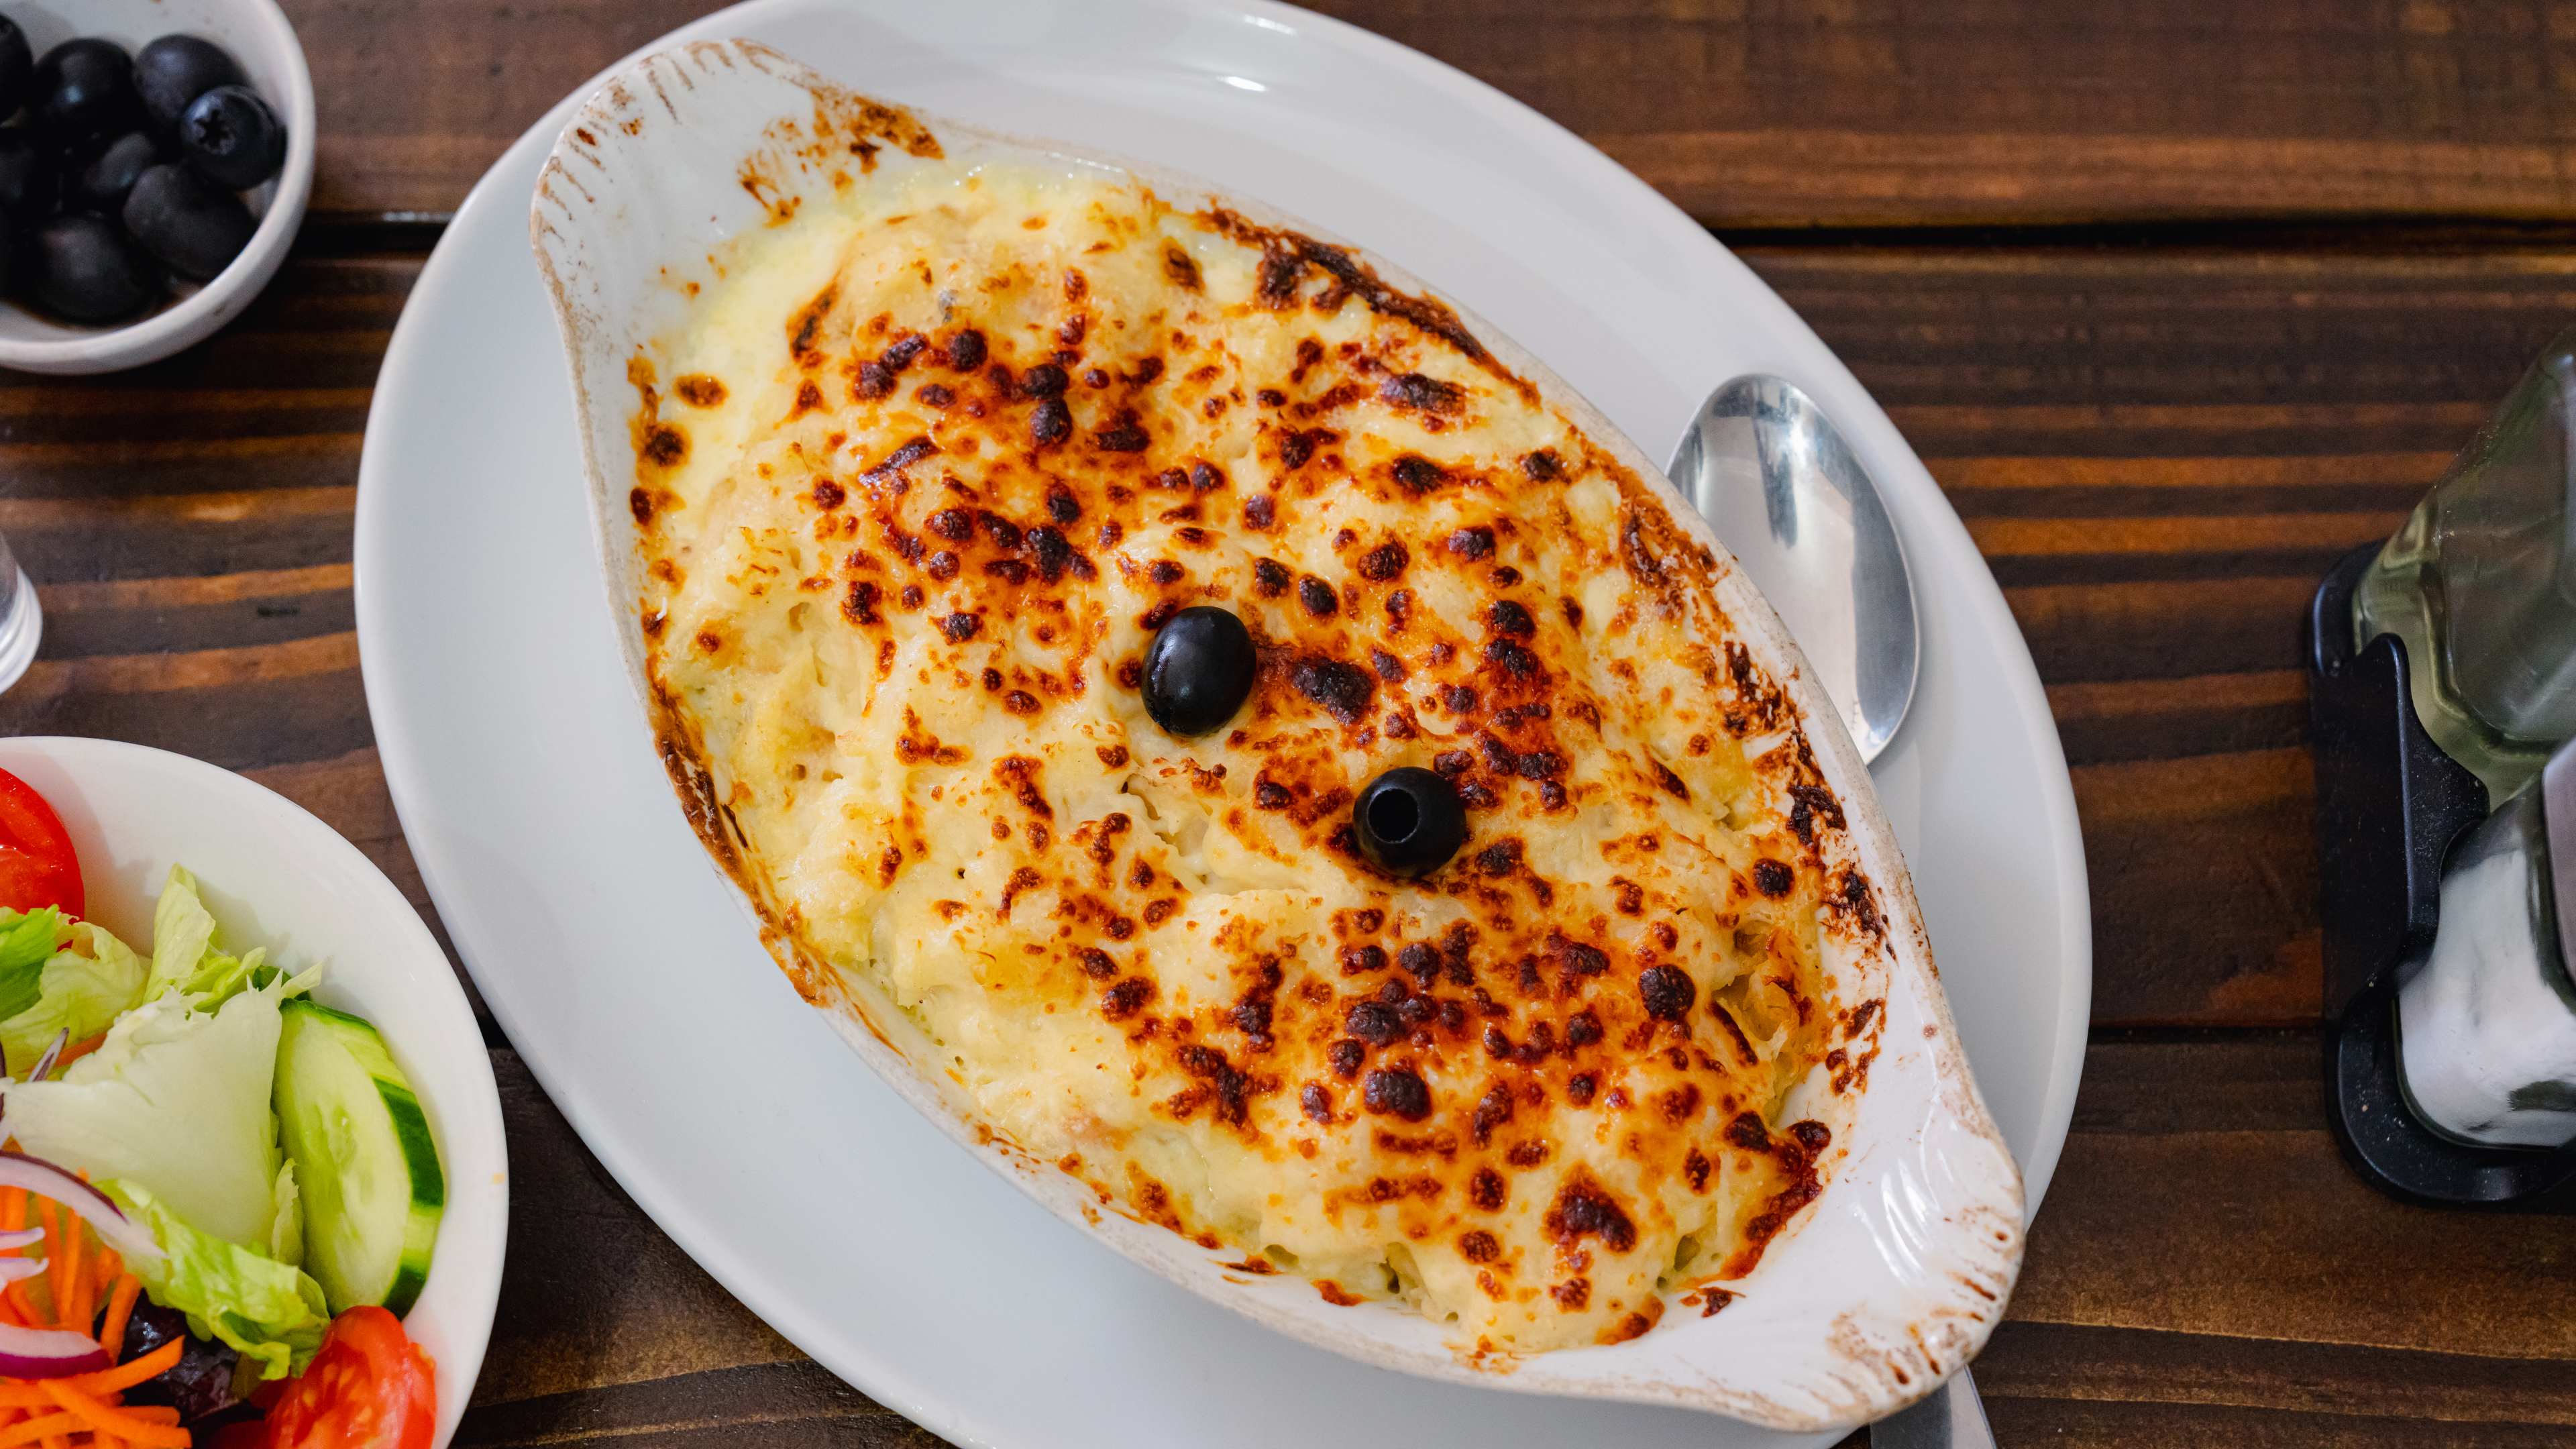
(45, 1063)
(23, 1238)
(49, 1353)
(14, 1269)
(107, 1220)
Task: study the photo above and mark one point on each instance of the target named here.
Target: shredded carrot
(57, 1441)
(35, 1429)
(161, 1414)
(59, 1264)
(76, 1305)
(134, 1430)
(13, 1209)
(129, 1373)
(120, 1305)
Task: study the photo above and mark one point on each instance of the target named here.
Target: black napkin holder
(2389, 806)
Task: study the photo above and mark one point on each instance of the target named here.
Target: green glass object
(2480, 586)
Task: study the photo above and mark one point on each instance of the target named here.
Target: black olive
(84, 88)
(1409, 821)
(26, 175)
(108, 173)
(232, 138)
(86, 270)
(199, 1385)
(1198, 670)
(195, 229)
(170, 73)
(17, 68)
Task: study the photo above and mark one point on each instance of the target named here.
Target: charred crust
(805, 328)
(1772, 878)
(1418, 474)
(1050, 422)
(1420, 393)
(1125, 998)
(1584, 1209)
(665, 446)
(965, 351)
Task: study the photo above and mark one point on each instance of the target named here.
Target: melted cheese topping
(916, 486)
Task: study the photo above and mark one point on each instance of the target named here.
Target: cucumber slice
(363, 1159)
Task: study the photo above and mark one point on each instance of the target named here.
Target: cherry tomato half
(369, 1388)
(37, 864)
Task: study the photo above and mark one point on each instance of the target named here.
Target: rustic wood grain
(2178, 302)
(1748, 113)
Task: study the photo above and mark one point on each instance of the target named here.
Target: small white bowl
(275, 876)
(257, 34)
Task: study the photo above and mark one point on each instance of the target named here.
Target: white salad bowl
(1891, 1280)
(259, 36)
(275, 876)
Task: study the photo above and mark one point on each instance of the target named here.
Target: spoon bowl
(1769, 471)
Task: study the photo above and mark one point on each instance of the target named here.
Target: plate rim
(1983, 606)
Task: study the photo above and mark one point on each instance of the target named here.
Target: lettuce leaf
(269, 1311)
(89, 981)
(286, 1231)
(183, 933)
(219, 977)
(176, 1102)
(27, 941)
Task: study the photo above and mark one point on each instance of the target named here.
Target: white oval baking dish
(1890, 1281)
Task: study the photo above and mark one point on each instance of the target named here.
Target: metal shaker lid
(2558, 814)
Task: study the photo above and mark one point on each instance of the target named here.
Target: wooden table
(2179, 302)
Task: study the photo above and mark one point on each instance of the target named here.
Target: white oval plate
(276, 877)
(613, 956)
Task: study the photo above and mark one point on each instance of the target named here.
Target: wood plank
(239, 707)
(207, 611)
(2199, 715)
(2050, 1364)
(1875, 112)
(2204, 886)
(2201, 1193)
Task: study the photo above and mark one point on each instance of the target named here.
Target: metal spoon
(1769, 472)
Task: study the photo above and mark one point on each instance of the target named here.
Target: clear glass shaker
(2486, 1024)
(22, 621)
(2480, 586)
